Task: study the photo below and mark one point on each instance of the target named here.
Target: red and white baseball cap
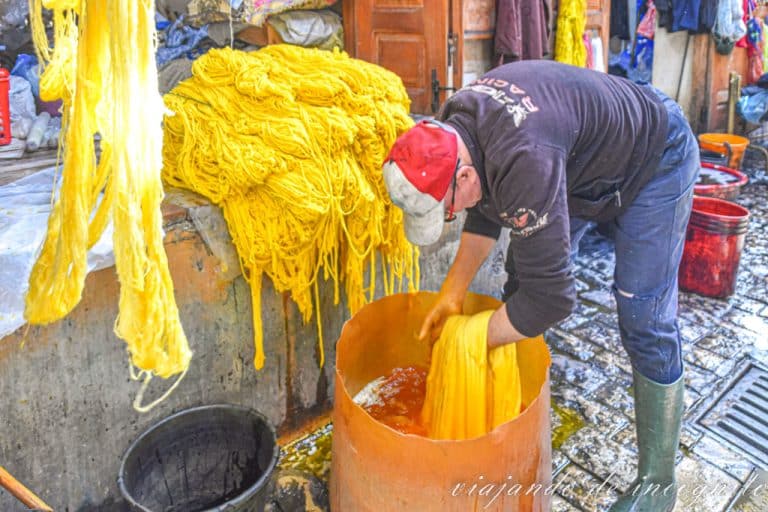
(417, 173)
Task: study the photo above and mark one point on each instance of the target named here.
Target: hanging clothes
(664, 13)
(647, 25)
(707, 13)
(636, 12)
(754, 49)
(522, 30)
(765, 48)
(729, 26)
(641, 52)
(685, 15)
(588, 47)
(695, 16)
(748, 6)
(598, 53)
(619, 20)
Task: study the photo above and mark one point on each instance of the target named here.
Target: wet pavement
(594, 451)
(591, 382)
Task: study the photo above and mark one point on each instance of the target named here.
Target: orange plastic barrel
(721, 142)
(377, 469)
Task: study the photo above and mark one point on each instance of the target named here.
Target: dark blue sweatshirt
(551, 141)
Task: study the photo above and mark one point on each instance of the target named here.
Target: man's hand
(446, 305)
(473, 249)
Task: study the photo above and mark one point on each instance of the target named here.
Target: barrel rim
(701, 200)
(712, 188)
(202, 409)
(733, 140)
(720, 229)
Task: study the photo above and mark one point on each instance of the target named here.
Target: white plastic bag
(311, 29)
(729, 25)
(22, 106)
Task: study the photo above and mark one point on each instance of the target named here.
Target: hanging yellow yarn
(103, 67)
(470, 391)
(289, 142)
(571, 24)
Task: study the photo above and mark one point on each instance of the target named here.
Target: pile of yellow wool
(470, 390)
(289, 142)
(102, 66)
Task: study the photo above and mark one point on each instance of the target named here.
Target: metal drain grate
(740, 416)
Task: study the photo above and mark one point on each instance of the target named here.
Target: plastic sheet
(26, 67)
(258, 11)
(310, 29)
(729, 26)
(24, 208)
(753, 107)
(21, 100)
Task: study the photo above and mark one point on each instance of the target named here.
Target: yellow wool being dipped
(469, 390)
(102, 65)
(504, 387)
(289, 142)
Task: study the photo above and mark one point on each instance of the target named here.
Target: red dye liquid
(402, 394)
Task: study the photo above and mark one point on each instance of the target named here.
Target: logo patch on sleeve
(524, 221)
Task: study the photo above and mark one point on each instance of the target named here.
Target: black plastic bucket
(712, 157)
(205, 459)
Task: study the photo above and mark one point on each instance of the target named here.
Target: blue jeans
(649, 238)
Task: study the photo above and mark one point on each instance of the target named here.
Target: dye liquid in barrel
(400, 400)
(708, 176)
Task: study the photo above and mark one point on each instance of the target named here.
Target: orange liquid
(402, 393)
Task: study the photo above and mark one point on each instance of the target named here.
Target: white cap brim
(423, 214)
(425, 229)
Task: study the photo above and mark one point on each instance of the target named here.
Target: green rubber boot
(658, 414)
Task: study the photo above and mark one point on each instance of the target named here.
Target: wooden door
(410, 38)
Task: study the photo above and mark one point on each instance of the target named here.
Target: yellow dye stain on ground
(311, 453)
(570, 423)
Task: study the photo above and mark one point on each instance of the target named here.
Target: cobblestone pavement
(591, 385)
(594, 452)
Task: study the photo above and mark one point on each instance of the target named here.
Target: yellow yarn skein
(108, 48)
(289, 142)
(571, 24)
(57, 79)
(470, 390)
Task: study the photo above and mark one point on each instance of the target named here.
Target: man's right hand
(445, 306)
(473, 249)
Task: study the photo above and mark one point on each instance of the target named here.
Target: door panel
(390, 55)
(408, 37)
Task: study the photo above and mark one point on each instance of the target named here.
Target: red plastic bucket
(713, 245)
(5, 110)
(719, 181)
